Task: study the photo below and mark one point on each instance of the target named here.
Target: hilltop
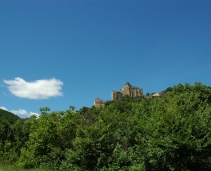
(8, 116)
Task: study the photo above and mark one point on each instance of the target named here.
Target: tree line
(169, 133)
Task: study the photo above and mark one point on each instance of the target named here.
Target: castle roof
(127, 83)
(98, 101)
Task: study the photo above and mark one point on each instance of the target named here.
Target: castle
(127, 90)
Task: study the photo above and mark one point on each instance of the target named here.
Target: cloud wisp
(3, 108)
(38, 89)
(23, 113)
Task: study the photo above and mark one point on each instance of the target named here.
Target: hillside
(8, 116)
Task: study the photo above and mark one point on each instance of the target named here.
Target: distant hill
(8, 116)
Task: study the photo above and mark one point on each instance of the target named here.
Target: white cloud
(4, 108)
(19, 112)
(38, 89)
(23, 113)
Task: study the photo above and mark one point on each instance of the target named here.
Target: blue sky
(58, 53)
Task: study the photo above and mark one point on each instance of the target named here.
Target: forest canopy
(171, 133)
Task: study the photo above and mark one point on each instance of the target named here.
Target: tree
(147, 94)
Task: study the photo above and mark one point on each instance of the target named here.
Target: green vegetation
(8, 116)
(169, 133)
(13, 168)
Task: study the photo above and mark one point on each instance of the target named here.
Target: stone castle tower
(99, 103)
(127, 90)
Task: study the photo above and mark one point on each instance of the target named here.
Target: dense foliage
(169, 133)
